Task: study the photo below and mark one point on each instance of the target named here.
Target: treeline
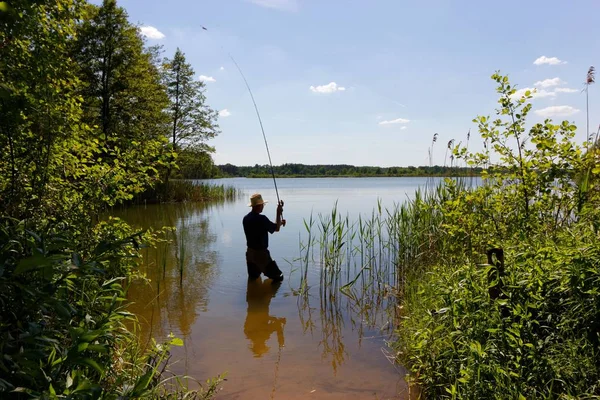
(89, 117)
(342, 170)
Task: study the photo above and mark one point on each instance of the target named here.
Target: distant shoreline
(342, 171)
(352, 176)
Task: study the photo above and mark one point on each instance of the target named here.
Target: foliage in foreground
(63, 330)
(81, 129)
(525, 326)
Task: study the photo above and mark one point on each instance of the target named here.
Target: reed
(181, 190)
(362, 262)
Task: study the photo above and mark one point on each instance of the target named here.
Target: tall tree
(124, 99)
(191, 121)
(123, 94)
(39, 109)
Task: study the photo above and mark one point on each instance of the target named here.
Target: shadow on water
(259, 324)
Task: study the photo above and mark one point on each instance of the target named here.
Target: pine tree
(192, 122)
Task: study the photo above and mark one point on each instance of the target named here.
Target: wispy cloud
(565, 90)
(535, 93)
(548, 60)
(205, 78)
(151, 32)
(284, 5)
(222, 69)
(395, 121)
(331, 87)
(224, 113)
(546, 83)
(403, 128)
(557, 111)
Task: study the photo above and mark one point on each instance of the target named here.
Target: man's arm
(279, 218)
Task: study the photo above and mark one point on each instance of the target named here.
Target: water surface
(270, 341)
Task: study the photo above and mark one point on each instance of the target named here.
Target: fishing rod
(261, 124)
(259, 118)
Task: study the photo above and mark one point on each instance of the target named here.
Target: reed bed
(362, 262)
(181, 190)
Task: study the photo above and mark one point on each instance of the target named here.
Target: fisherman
(256, 227)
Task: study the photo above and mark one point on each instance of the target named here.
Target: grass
(362, 263)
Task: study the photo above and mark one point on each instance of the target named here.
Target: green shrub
(527, 327)
(63, 328)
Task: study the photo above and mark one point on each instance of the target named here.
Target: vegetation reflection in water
(180, 269)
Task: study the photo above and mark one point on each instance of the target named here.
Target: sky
(370, 82)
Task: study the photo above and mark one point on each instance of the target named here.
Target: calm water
(271, 342)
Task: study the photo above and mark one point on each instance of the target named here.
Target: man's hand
(279, 220)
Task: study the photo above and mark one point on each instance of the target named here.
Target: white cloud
(224, 113)
(284, 5)
(557, 111)
(403, 128)
(151, 32)
(395, 121)
(565, 90)
(548, 82)
(222, 69)
(535, 94)
(329, 88)
(205, 78)
(548, 60)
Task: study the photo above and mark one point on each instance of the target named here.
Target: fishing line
(261, 124)
(258, 115)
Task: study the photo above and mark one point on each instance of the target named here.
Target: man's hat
(256, 200)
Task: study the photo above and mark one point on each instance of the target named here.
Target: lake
(272, 341)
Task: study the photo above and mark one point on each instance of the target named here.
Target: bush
(526, 326)
(63, 329)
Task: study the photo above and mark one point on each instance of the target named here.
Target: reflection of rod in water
(261, 124)
(276, 372)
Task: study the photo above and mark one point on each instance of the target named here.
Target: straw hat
(256, 200)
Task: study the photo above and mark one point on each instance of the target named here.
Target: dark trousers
(260, 261)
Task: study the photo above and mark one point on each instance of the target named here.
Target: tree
(39, 111)
(191, 121)
(123, 94)
(124, 99)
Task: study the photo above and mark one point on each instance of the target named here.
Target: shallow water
(270, 340)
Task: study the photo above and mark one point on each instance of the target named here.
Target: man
(257, 227)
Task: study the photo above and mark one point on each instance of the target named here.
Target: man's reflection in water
(259, 325)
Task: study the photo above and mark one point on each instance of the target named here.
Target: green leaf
(92, 363)
(32, 263)
(142, 383)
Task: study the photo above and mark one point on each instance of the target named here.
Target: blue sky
(370, 82)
